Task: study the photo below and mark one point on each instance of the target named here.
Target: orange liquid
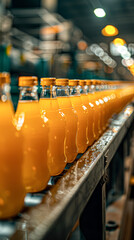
(89, 106)
(71, 128)
(11, 160)
(35, 132)
(82, 130)
(96, 116)
(56, 121)
(99, 96)
(106, 107)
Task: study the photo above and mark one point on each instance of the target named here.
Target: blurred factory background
(75, 39)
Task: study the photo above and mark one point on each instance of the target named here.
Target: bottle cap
(62, 82)
(73, 82)
(93, 82)
(28, 81)
(88, 82)
(98, 82)
(4, 78)
(48, 81)
(82, 82)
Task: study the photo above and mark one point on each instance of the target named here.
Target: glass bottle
(49, 106)
(70, 117)
(12, 190)
(35, 133)
(85, 101)
(81, 110)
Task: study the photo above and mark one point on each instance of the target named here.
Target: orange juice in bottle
(81, 110)
(85, 101)
(99, 96)
(70, 117)
(95, 102)
(56, 157)
(12, 190)
(106, 103)
(35, 134)
(92, 106)
(112, 98)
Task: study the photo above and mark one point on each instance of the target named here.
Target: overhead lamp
(99, 12)
(51, 29)
(119, 41)
(82, 45)
(109, 31)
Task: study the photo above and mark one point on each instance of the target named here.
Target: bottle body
(12, 190)
(82, 130)
(84, 89)
(35, 133)
(96, 115)
(71, 127)
(56, 157)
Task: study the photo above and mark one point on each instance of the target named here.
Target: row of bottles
(43, 136)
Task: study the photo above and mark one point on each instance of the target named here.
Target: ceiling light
(119, 41)
(109, 31)
(99, 12)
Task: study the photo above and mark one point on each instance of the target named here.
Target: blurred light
(113, 64)
(103, 56)
(122, 49)
(93, 47)
(131, 48)
(131, 69)
(89, 52)
(127, 62)
(82, 45)
(126, 55)
(119, 41)
(109, 30)
(51, 29)
(113, 49)
(99, 52)
(99, 12)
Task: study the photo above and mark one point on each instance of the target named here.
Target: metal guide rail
(52, 213)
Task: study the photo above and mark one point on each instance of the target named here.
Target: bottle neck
(91, 89)
(62, 91)
(48, 92)
(83, 90)
(4, 92)
(28, 93)
(97, 88)
(74, 91)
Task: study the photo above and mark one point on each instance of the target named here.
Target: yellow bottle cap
(4, 78)
(28, 81)
(82, 82)
(62, 82)
(88, 82)
(48, 81)
(73, 82)
(93, 82)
